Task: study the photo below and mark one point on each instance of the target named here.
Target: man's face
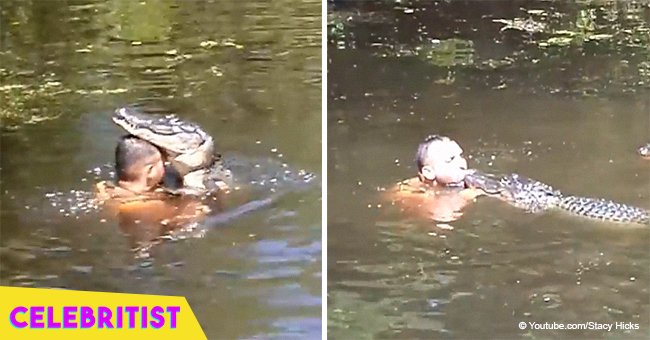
(154, 170)
(445, 163)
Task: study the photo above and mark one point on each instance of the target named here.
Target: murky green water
(571, 117)
(248, 72)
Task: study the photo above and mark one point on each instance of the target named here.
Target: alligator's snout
(121, 114)
(483, 181)
(128, 118)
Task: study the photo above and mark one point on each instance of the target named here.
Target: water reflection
(248, 72)
(513, 107)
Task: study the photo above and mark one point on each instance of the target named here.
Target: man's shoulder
(104, 190)
(405, 189)
(411, 185)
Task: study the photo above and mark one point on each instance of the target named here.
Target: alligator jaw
(488, 183)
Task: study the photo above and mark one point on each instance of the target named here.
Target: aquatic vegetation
(338, 32)
(585, 30)
(38, 101)
(29, 104)
(443, 53)
(449, 52)
(541, 39)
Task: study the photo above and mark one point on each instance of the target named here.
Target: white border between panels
(324, 169)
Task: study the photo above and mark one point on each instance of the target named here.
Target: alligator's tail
(605, 210)
(244, 209)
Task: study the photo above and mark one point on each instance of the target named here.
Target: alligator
(534, 196)
(188, 148)
(644, 150)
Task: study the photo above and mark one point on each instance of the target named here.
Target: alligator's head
(645, 151)
(520, 191)
(187, 146)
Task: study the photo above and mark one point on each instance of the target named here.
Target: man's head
(138, 164)
(440, 160)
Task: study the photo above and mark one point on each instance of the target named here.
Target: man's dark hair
(129, 151)
(423, 150)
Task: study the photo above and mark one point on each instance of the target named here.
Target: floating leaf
(208, 44)
(559, 41)
(565, 32)
(599, 36)
(536, 11)
(224, 43)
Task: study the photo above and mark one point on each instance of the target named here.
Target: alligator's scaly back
(528, 194)
(534, 196)
(168, 132)
(188, 148)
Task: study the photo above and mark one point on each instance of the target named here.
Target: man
(438, 191)
(144, 209)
